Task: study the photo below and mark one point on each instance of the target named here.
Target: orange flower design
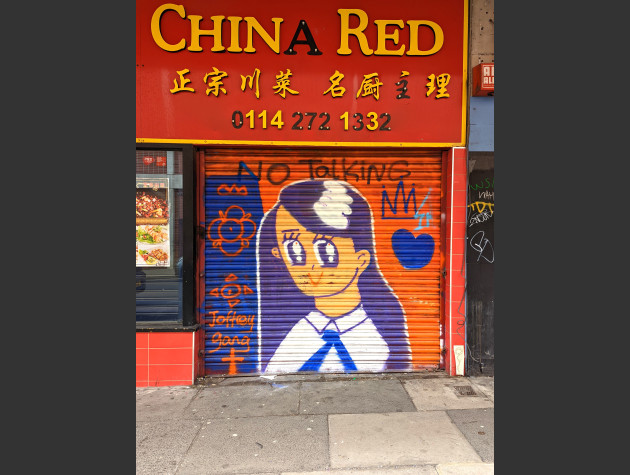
(231, 231)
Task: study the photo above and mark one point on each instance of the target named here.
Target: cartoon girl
(323, 303)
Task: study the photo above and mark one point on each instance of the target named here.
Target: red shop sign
(323, 73)
(147, 160)
(160, 161)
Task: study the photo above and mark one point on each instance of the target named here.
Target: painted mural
(308, 272)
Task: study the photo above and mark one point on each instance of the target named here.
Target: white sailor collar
(341, 324)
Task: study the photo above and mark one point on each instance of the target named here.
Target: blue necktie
(331, 338)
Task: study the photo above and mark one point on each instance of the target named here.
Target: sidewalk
(402, 423)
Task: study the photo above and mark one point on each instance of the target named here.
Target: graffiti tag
(423, 215)
(406, 200)
(352, 171)
(489, 183)
(232, 359)
(232, 190)
(226, 340)
(231, 319)
(483, 246)
(481, 205)
(233, 211)
(485, 215)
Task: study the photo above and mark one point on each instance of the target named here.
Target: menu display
(152, 223)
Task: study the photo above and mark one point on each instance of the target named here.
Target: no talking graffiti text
(352, 171)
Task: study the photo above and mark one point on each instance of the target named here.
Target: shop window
(160, 237)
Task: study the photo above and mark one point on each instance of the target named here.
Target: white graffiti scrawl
(483, 246)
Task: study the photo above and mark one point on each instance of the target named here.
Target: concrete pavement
(401, 423)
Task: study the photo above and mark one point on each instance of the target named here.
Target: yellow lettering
(155, 27)
(346, 31)
(196, 32)
(273, 43)
(381, 49)
(413, 37)
(234, 36)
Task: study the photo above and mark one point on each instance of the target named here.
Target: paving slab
(354, 397)
(484, 384)
(465, 469)
(245, 401)
(163, 403)
(393, 439)
(443, 394)
(259, 444)
(160, 446)
(411, 470)
(477, 425)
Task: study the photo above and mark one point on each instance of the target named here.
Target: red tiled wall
(455, 303)
(165, 358)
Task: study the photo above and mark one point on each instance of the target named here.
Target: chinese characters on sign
(370, 85)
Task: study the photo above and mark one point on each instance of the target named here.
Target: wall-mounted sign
(325, 73)
(483, 80)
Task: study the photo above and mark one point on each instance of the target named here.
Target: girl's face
(321, 266)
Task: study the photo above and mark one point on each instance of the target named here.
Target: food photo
(151, 207)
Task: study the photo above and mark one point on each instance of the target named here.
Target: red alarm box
(483, 80)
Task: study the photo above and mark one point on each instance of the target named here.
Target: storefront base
(168, 355)
(166, 358)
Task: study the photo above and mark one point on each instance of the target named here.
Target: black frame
(188, 230)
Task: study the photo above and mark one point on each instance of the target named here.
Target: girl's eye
(295, 251)
(326, 253)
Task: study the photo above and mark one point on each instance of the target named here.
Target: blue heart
(413, 252)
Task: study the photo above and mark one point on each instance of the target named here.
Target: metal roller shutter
(321, 261)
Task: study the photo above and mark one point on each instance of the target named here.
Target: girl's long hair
(282, 304)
